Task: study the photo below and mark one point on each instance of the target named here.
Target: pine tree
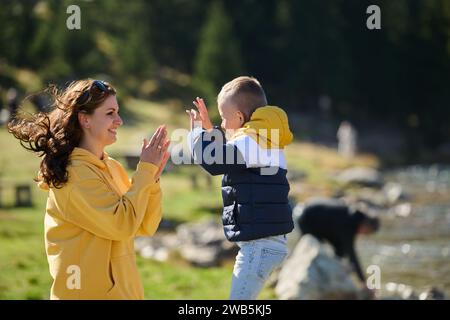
(218, 58)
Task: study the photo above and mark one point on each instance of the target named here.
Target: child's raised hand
(201, 107)
(195, 118)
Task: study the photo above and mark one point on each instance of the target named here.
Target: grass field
(23, 265)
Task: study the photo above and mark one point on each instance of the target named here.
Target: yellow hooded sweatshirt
(269, 127)
(90, 225)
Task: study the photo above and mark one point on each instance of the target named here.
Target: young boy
(256, 213)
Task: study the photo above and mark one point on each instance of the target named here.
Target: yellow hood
(261, 124)
(78, 154)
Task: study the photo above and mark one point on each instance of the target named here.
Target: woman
(93, 210)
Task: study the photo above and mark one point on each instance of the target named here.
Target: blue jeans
(254, 263)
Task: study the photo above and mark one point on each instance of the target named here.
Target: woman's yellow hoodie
(90, 225)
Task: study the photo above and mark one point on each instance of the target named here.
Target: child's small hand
(201, 107)
(195, 118)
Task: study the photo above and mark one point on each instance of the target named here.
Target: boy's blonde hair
(246, 93)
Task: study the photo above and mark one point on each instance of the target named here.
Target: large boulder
(313, 272)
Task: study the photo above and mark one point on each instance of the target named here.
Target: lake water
(412, 247)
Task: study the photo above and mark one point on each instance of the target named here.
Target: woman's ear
(83, 120)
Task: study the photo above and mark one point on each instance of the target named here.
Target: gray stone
(203, 244)
(201, 233)
(399, 291)
(296, 175)
(394, 192)
(432, 294)
(313, 272)
(157, 247)
(402, 210)
(362, 176)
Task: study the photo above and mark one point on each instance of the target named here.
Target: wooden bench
(23, 196)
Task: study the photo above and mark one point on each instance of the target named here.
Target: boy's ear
(241, 117)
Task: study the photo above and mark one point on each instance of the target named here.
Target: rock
(206, 255)
(203, 244)
(201, 233)
(409, 294)
(313, 272)
(402, 210)
(158, 254)
(362, 176)
(294, 175)
(399, 291)
(394, 192)
(371, 198)
(157, 247)
(432, 294)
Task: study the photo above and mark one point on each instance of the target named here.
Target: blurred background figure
(12, 100)
(38, 102)
(347, 140)
(3, 116)
(323, 263)
(338, 224)
(325, 105)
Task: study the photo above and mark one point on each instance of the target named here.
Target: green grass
(24, 270)
(179, 281)
(23, 266)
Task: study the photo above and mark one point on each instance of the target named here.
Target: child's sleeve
(210, 150)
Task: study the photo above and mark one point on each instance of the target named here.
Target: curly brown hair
(53, 135)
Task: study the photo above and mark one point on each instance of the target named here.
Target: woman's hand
(155, 151)
(162, 165)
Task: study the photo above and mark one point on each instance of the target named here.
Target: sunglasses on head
(97, 84)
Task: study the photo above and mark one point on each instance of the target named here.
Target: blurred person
(335, 222)
(1, 98)
(38, 101)
(256, 213)
(12, 100)
(347, 140)
(4, 113)
(93, 210)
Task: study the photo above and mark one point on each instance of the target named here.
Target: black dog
(335, 222)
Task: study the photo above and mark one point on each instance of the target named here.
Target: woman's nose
(119, 120)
